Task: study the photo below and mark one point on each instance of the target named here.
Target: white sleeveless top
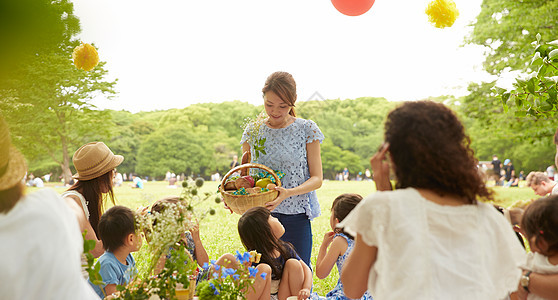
(84, 203)
(86, 210)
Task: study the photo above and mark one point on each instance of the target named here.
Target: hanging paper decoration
(85, 57)
(352, 7)
(442, 13)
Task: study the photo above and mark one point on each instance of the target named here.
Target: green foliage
(164, 232)
(92, 271)
(514, 123)
(507, 27)
(230, 283)
(535, 94)
(47, 100)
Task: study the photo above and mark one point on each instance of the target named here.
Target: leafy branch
(536, 93)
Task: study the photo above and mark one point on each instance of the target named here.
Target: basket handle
(247, 166)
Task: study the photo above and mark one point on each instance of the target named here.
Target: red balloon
(352, 7)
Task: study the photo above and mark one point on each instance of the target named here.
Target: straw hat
(93, 160)
(12, 163)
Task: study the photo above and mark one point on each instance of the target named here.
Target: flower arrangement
(253, 129)
(85, 57)
(163, 232)
(442, 13)
(230, 283)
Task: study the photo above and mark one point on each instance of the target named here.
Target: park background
(52, 107)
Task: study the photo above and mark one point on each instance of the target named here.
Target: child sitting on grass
(117, 230)
(540, 227)
(341, 243)
(191, 238)
(290, 276)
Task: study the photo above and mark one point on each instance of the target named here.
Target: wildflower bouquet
(164, 232)
(253, 129)
(230, 283)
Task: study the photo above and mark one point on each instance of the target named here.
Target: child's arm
(357, 268)
(307, 284)
(84, 225)
(199, 250)
(326, 259)
(544, 286)
(110, 289)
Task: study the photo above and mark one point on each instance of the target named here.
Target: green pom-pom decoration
(199, 182)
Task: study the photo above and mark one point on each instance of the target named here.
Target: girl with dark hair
(341, 243)
(292, 146)
(539, 225)
(430, 234)
(544, 285)
(260, 231)
(95, 165)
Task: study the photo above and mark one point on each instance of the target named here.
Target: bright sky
(174, 53)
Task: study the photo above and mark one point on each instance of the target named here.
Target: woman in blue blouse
(292, 146)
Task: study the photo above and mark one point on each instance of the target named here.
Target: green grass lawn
(219, 234)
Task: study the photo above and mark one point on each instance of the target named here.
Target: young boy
(118, 234)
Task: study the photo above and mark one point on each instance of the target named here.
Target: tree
(48, 104)
(507, 29)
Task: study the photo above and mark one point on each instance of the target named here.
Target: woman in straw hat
(40, 238)
(95, 165)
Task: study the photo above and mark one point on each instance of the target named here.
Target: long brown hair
(284, 86)
(91, 191)
(430, 150)
(256, 234)
(9, 197)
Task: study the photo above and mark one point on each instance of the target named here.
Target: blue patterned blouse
(286, 151)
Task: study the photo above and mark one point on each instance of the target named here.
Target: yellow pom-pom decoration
(442, 13)
(85, 57)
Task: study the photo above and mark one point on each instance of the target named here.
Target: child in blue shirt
(118, 234)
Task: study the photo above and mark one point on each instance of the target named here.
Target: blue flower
(217, 267)
(238, 256)
(213, 261)
(263, 275)
(215, 290)
(228, 271)
(246, 256)
(236, 277)
(205, 266)
(215, 275)
(253, 271)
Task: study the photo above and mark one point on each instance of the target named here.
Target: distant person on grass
(431, 238)
(496, 167)
(137, 183)
(117, 229)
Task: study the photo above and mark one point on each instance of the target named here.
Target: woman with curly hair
(431, 238)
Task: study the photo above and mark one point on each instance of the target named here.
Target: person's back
(40, 250)
(454, 243)
(431, 238)
(118, 267)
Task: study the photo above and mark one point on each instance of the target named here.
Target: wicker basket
(241, 203)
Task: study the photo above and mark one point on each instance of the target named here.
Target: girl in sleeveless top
(340, 245)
